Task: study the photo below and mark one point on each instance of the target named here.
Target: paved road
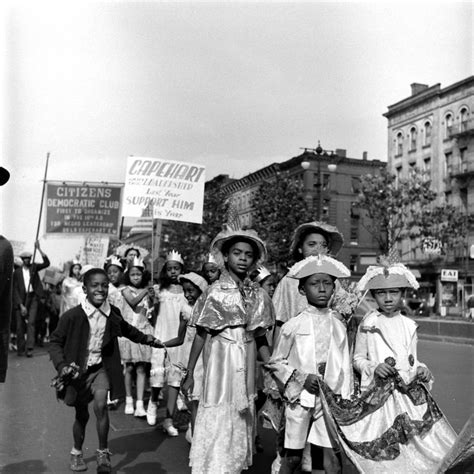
(35, 430)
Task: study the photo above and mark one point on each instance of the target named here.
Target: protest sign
(173, 189)
(94, 251)
(88, 208)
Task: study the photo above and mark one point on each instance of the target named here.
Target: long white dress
(225, 423)
(164, 370)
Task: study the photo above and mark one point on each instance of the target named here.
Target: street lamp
(316, 154)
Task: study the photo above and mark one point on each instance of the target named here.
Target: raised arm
(134, 300)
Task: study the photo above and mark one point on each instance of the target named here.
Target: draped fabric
(226, 304)
(391, 427)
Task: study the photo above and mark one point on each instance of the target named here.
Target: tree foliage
(193, 240)
(394, 207)
(279, 207)
(404, 208)
(447, 224)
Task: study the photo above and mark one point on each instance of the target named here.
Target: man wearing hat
(27, 291)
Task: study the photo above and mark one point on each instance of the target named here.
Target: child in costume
(311, 344)
(139, 297)
(210, 270)
(267, 282)
(394, 425)
(193, 287)
(86, 338)
(72, 281)
(172, 304)
(385, 332)
(236, 314)
(114, 269)
(310, 238)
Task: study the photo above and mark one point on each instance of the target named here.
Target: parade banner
(89, 208)
(173, 189)
(94, 251)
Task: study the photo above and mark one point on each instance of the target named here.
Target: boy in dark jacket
(86, 336)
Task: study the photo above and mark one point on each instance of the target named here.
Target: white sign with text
(166, 189)
(449, 275)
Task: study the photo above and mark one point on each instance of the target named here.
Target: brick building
(331, 183)
(433, 130)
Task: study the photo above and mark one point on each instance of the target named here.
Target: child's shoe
(103, 461)
(276, 464)
(77, 463)
(140, 409)
(151, 413)
(129, 406)
(169, 428)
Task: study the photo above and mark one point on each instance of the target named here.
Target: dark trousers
(26, 326)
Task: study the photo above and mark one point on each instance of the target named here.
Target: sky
(232, 86)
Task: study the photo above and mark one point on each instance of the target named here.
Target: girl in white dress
(69, 284)
(193, 286)
(172, 304)
(135, 356)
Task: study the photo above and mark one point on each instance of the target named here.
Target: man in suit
(27, 291)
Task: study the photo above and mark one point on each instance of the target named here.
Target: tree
(193, 240)
(279, 207)
(394, 208)
(447, 224)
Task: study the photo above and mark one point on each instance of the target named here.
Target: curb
(447, 339)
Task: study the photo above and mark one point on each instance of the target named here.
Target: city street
(35, 429)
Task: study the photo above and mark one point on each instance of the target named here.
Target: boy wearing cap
(86, 337)
(312, 344)
(386, 342)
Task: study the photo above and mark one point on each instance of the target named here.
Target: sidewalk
(441, 329)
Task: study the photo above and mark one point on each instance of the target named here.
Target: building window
(355, 183)
(448, 125)
(427, 168)
(464, 114)
(448, 163)
(326, 178)
(398, 173)
(399, 144)
(354, 229)
(463, 198)
(353, 263)
(413, 139)
(427, 133)
(462, 159)
(325, 209)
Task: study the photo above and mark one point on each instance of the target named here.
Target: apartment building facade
(331, 183)
(433, 130)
